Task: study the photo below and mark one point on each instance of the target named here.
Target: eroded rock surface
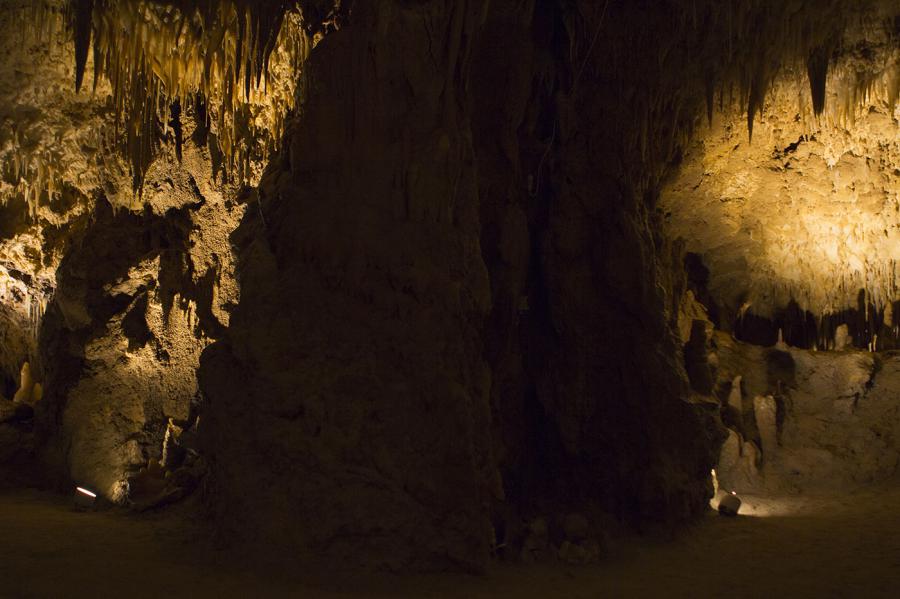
(460, 324)
(794, 223)
(820, 420)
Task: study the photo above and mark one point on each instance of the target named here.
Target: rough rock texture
(365, 273)
(363, 290)
(805, 215)
(458, 310)
(138, 298)
(136, 284)
(809, 421)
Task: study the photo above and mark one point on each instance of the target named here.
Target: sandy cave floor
(838, 546)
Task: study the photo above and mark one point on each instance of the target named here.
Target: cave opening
(329, 297)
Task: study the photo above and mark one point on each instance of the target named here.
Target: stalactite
(242, 57)
(82, 22)
(710, 97)
(817, 68)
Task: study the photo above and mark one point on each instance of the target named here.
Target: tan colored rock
(801, 212)
(842, 338)
(737, 468)
(736, 400)
(26, 385)
(689, 310)
(765, 408)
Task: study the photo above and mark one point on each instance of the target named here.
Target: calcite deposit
(799, 225)
(415, 285)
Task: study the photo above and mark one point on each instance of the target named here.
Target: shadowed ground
(847, 546)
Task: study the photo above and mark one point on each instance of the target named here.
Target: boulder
(730, 504)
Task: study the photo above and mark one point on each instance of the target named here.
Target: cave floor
(823, 546)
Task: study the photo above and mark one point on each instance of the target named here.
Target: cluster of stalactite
(762, 39)
(148, 64)
(866, 326)
(241, 58)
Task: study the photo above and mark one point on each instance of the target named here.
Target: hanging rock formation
(458, 320)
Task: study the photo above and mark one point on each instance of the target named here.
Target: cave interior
(450, 298)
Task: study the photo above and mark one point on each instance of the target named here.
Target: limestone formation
(832, 427)
(736, 401)
(842, 339)
(26, 385)
(802, 219)
(389, 280)
(764, 410)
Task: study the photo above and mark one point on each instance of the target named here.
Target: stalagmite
(842, 340)
(735, 399)
(764, 409)
(26, 385)
(780, 344)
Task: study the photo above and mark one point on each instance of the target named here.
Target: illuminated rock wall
(807, 421)
(807, 214)
(459, 310)
(134, 285)
(138, 298)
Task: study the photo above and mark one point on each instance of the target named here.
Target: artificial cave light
(730, 504)
(84, 491)
(84, 499)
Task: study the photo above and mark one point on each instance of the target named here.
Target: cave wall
(421, 229)
(458, 312)
(806, 421)
(351, 386)
(138, 297)
(134, 268)
(799, 226)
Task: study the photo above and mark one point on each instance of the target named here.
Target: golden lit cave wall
(807, 214)
(140, 64)
(63, 150)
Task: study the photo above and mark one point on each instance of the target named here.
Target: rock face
(392, 244)
(822, 420)
(795, 223)
(352, 386)
(139, 283)
(137, 300)
(443, 283)
(458, 310)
